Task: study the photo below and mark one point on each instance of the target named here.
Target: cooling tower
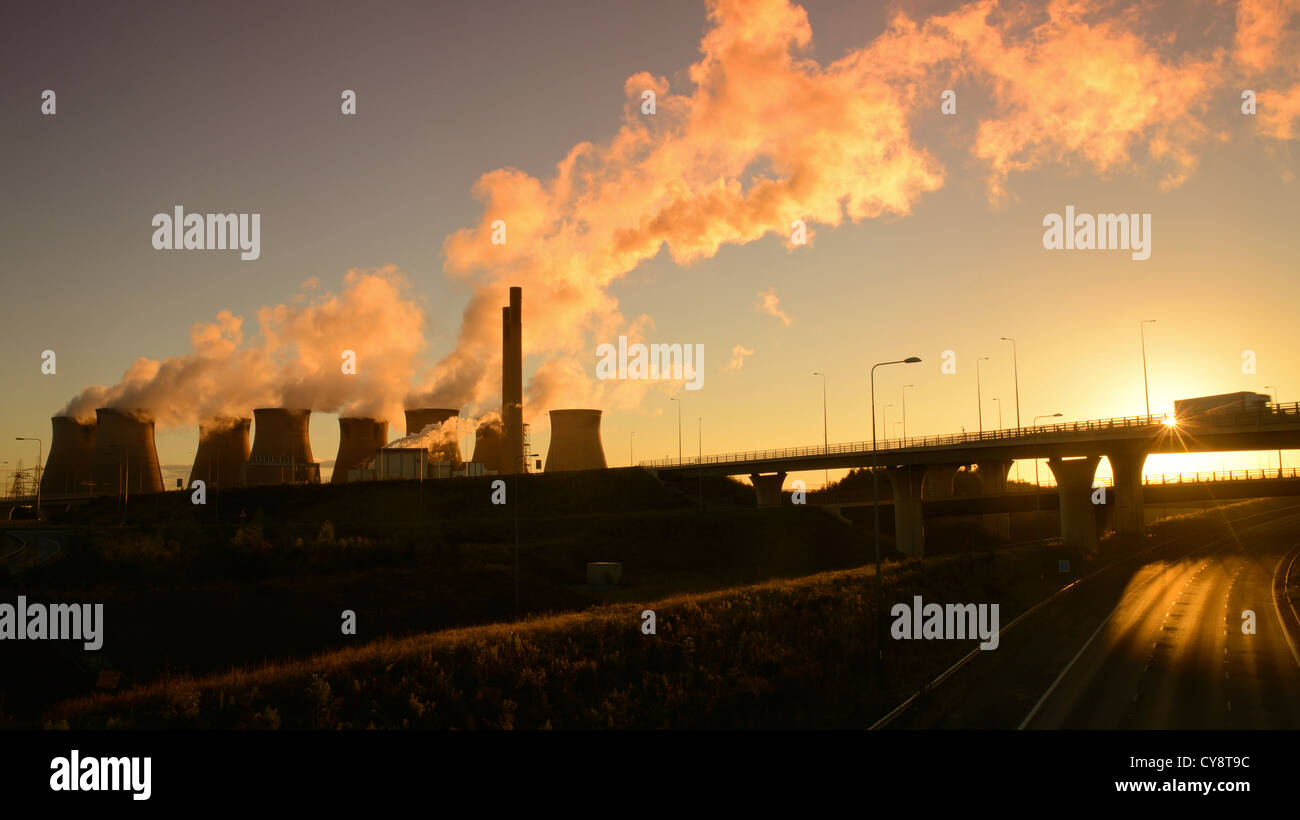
(281, 451)
(512, 384)
(359, 440)
(223, 449)
(67, 469)
(487, 446)
(575, 441)
(124, 457)
(418, 418)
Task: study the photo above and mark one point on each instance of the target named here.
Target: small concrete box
(604, 573)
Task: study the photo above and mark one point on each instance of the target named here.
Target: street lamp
(1015, 368)
(999, 401)
(884, 419)
(1038, 501)
(903, 393)
(875, 507)
(679, 427)
(1277, 407)
(1142, 330)
(826, 436)
(40, 446)
(979, 400)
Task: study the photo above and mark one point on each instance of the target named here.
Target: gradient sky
(235, 107)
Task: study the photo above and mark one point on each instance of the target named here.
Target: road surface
(1174, 654)
(1160, 646)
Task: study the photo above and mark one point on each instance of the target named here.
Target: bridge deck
(1271, 428)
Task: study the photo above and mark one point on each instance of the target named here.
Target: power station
(512, 385)
(358, 441)
(67, 470)
(123, 460)
(115, 454)
(223, 449)
(575, 441)
(281, 451)
(419, 418)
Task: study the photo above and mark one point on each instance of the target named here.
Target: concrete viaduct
(924, 466)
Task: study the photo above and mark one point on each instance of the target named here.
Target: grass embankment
(791, 653)
(186, 594)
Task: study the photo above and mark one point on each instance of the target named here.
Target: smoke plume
(759, 135)
(295, 359)
(763, 135)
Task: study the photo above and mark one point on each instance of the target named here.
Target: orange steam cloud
(296, 360)
(765, 135)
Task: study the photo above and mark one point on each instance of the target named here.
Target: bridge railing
(1220, 475)
(840, 495)
(912, 442)
(1149, 479)
(1273, 413)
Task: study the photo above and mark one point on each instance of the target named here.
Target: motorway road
(1173, 654)
(33, 548)
(1156, 646)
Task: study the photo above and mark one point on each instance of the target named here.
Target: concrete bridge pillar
(993, 478)
(909, 519)
(1074, 479)
(938, 481)
(767, 488)
(1127, 467)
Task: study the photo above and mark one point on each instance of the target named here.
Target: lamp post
(523, 468)
(875, 507)
(40, 447)
(884, 419)
(826, 436)
(679, 427)
(1038, 501)
(979, 399)
(999, 401)
(1273, 387)
(903, 393)
(1146, 391)
(1015, 369)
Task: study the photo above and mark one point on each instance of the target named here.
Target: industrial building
(115, 453)
(358, 440)
(67, 470)
(223, 449)
(124, 460)
(281, 451)
(575, 441)
(512, 385)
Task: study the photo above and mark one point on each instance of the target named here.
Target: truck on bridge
(1222, 404)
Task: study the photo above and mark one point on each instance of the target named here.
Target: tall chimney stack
(512, 384)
